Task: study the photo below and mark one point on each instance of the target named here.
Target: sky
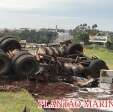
(66, 14)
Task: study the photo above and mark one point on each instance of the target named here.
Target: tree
(80, 33)
(94, 26)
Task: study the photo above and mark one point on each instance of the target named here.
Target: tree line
(80, 34)
(41, 36)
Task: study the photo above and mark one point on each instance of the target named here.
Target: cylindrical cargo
(72, 49)
(50, 51)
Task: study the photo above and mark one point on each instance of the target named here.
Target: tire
(19, 55)
(4, 63)
(4, 38)
(74, 49)
(25, 65)
(9, 43)
(95, 67)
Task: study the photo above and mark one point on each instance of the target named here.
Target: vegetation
(81, 32)
(101, 53)
(41, 36)
(16, 102)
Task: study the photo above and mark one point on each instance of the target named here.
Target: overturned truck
(64, 62)
(52, 63)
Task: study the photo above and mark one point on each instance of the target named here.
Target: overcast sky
(49, 13)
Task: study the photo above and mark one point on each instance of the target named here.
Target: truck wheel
(74, 48)
(9, 43)
(25, 65)
(95, 67)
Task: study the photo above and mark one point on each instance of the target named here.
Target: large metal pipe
(72, 50)
(51, 51)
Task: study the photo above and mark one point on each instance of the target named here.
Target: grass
(101, 53)
(16, 102)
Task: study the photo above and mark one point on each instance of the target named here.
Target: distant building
(63, 36)
(23, 43)
(31, 45)
(98, 39)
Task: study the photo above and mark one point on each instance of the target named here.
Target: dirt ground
(51, 91)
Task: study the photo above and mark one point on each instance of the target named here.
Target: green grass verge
(101, 53)
(16, 102)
